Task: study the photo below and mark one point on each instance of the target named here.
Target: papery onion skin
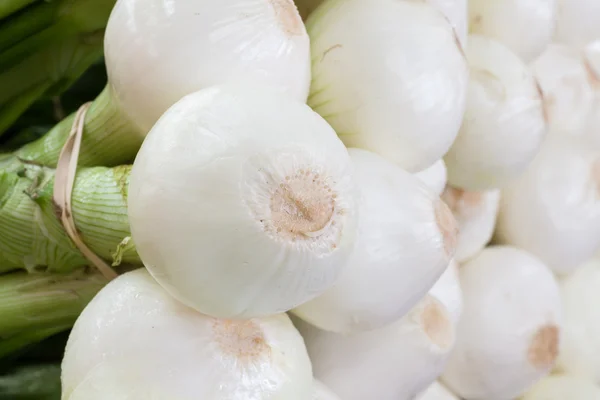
(577, 22)
(564, 80)
(504, 123)
(254, 199)
(134, 341)
(561, 387)
(525, 26)
(475, 214)
(406, 238)
(157, 51)
(435, 177)
(580, 354)
(395, 362)
(389, 76)
(509, 333)
(553, 210)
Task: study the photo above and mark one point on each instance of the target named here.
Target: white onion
(553, 210)
(475, 213)
(580, 353)
(437, 391)
(508, 334)
(447, 290)
(322, 392)
(253, 198)
(134, 341)
(525, 26)
(504, 121)
(157, 51)
(577, 22)
(563, 387)
(568, 94)
(435, 177)
(406, 238)
(389, 76)
(393, 363)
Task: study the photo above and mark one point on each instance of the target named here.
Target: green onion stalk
(35, 306)
(45, 47)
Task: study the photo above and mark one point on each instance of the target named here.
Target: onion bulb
(577, 22)
(253, 196)
(553, 210)
(389, 76)
(456, 12)
(475, 213)
(134, 341)
(580, 353)
(435, 177)
(436, 391)
(504, 121)
(157, 51)
(447, 291)
(568, 94)
(562, 387)
(525, 26)
(406, 238)
(508, 334)
(322, 392)
(396, 362)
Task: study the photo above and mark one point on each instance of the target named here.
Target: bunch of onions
(509, 333)
(393, 265)
(249, 201)
(389, 76)
(147, 345)
(504, 121)
(525, 26)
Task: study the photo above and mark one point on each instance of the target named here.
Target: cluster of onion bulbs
(352, 200)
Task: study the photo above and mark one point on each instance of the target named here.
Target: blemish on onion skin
(447, 226)
(335, 46)
(436, 324)
(544, 102)
(243, 340)
(288, 17)
(543, 348)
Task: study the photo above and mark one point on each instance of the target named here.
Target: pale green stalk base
(31, 236)
(109, 138)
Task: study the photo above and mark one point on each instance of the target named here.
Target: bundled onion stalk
(172, 51)
(31, 235)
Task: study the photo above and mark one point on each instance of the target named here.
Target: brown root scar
(447, 226)
(543, 348)
(436, 324)
(288, 16)
(243, 340)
